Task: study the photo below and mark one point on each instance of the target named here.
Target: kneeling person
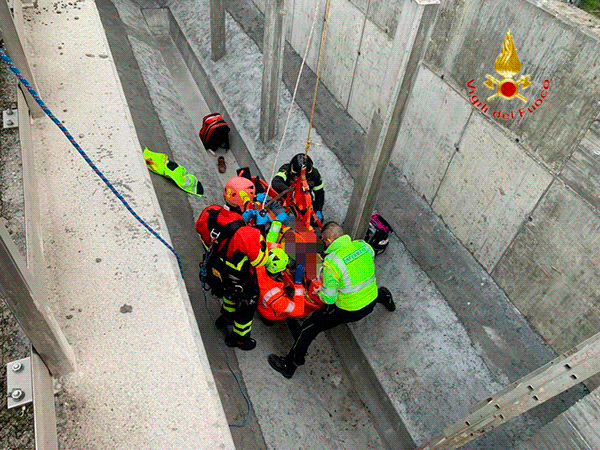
(349, 290)
(274, 302)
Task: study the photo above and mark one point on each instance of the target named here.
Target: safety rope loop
(87, 159)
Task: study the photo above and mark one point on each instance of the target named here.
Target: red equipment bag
(214, 132)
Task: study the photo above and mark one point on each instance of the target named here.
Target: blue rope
(49, 113)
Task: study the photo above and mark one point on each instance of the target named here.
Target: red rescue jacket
(247, 248)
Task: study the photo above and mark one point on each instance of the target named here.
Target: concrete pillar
(272, 65)
(217, 29)
(412, 35)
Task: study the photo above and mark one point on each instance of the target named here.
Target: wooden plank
(560, 374)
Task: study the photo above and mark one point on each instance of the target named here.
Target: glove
(260, 197)
(249, 215)
(319, 215)
(299, 274)
(283, 218)
(262, 217)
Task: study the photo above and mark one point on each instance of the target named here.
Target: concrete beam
(272, 64)
(416, 23)
(217, 29)
(35, 318)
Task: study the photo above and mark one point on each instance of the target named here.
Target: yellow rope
(321, 52)
(287, 120)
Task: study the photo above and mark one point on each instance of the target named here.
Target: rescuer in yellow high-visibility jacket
(349, 290)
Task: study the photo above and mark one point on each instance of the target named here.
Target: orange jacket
(274, 303)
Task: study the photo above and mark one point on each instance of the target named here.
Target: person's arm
(331, 282)
(318, 190)
(254, 245)
(289, 307)
(280, 181)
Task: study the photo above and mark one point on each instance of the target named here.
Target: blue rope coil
(87, 159)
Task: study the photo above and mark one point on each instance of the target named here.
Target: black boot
(267, 322)
(281, 365)
(222, 322)
(384, 296)
(242, 342)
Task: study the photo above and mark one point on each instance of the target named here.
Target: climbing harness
(87, 159)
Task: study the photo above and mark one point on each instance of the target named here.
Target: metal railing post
(35, 318)
(16, 53)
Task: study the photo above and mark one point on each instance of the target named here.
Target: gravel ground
(16, 425)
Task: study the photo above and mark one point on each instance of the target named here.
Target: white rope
(287, 120)
(321, 53)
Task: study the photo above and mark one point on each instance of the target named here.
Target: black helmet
(298, 162)
(378, 239)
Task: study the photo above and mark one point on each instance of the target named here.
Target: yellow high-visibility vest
(349, 274)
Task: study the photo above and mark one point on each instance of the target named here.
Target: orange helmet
(239, 192)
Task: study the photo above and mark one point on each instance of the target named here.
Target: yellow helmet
(278, 260)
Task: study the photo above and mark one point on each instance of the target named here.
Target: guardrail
(21, 283)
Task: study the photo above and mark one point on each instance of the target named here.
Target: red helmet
(239, 192)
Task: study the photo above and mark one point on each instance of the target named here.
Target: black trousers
(322, 320)
(240, 306)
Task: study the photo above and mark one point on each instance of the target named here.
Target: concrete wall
(357, 49)
(519, 190)
(518, 182)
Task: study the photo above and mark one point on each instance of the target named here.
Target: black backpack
(378, 233)
(214, 274)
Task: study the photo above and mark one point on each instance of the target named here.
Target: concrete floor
(436, 356)
(454, 338)
(317, 409)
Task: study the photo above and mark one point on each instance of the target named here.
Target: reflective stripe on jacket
(246, 245)
(349, 274)
(274, 303)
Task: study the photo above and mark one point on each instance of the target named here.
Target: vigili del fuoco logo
(509, 87)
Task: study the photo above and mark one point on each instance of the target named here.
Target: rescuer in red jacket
(233, 251)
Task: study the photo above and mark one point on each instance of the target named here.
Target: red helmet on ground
(239, 192)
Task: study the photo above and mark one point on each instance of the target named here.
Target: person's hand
(260, 197)
(262, 217)
(319, 215)
(249, 215)
(299, 273)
